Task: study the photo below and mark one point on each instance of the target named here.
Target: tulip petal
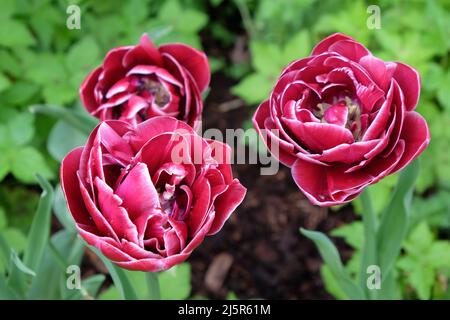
(380, 71)
(226, 203)
(87, 95)
(281, 149)
(416, 135)
(319, 136)
(347, 153)
(350, 49)
(110, 206)
(150, 128)
(409, 81)
(70, 187)
(201, 191)
(195, 61)
(139, 197)
(324, 45)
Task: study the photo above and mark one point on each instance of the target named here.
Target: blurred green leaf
(434, 209)
(7, 8)
(6, 293)
(15, 239)
(4, 82)
(89, 288)
(424, 257)
(331, 284)
(61, 211)
(14, 34)
(153, 285)
(175, 283)
(352, 233)
(4, 166)
(40, 228)
(350, 20)
(20, 265)
(110, 294)
(119, 277)
(19, 93)
(63, 138)
(443, 93)
(27, 162)
(331, 258)
(395, 219)
(254, 88)
(3, 219)
(49, 287)
(85, 123)
(267, 58)
(21, 128)
(299, 46)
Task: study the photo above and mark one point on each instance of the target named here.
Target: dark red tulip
(343, 119)
(147, 195)
(136, 83)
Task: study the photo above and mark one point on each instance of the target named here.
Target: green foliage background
(42, 64)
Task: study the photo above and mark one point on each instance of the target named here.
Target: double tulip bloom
(136, 83)
(343, 119)
(147, 195)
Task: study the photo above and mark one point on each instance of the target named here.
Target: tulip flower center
(346, 113)
(155, 89)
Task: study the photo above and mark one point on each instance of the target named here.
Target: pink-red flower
(343, 119)
(147, 195)
(136, 83)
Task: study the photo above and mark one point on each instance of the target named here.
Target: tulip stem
(369, 249)
(153, 285)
